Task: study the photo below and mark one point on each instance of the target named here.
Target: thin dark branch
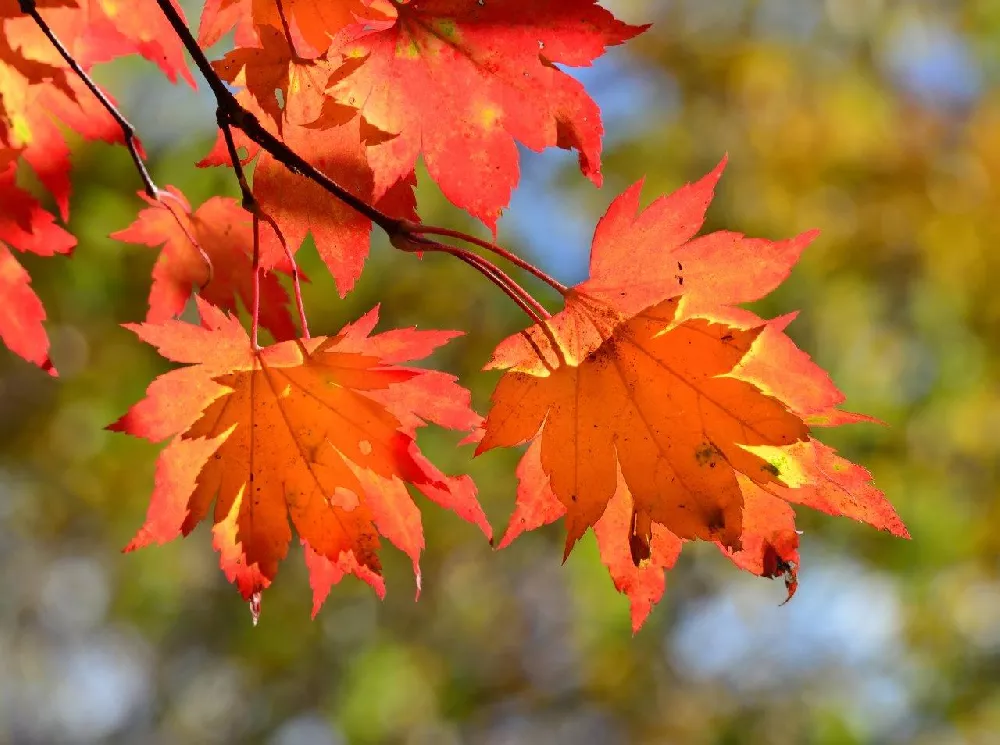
(243, 120)
(128, 131)
(403, 234)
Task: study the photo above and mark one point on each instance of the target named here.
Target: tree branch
(239, 117)
(403, 234)
(28, 7)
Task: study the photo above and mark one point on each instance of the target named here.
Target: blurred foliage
(877, 121)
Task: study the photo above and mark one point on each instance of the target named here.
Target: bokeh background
(877, 121)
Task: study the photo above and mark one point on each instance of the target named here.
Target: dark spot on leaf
(705, 455)
(771, 469)
(715, 520)
(640, 534)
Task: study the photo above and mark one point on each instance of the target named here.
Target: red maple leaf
(313, 23)
(658, 412)
(25, 226)
(298, 205)
(102, 30)
(209, 249)
(319, 431)
(12, 8)
(40, 93)
(460, 81)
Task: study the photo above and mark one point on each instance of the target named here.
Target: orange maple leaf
(209, 249)
(660, 413)
(321, 431)
(492, 67)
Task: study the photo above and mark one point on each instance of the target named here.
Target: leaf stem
(255, 310)
(296, 282)
(417, 229)
(251, 205)
(165, 197)
(243, 120)
(128, 131)
(521, 297)
(286, 27)
(403, 234)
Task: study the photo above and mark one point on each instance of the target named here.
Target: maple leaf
(654, 400)
(271, 68)
(21, 313)
(12, 8)
(313, 23)
(25, 226)
(659, 413)
(103, 30)
(38, 93)
(299, 206)
(320, 431)
(219, 231)
(460, 81)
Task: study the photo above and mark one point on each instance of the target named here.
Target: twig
(243, 120)
(403, 234)
(29, 7)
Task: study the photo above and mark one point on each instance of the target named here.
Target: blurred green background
(877, 121)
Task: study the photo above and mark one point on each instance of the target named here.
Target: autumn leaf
(658, 412)
(38, 94)
(317, 431)
(309, 122)
(25, 226)
(209, 250)
(103, 30)
(313, 23)
(655, 401)
(492, 67)
(22, 313)
(300, 206)
(282, 84)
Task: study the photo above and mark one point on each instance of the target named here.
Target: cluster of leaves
(655, 408)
